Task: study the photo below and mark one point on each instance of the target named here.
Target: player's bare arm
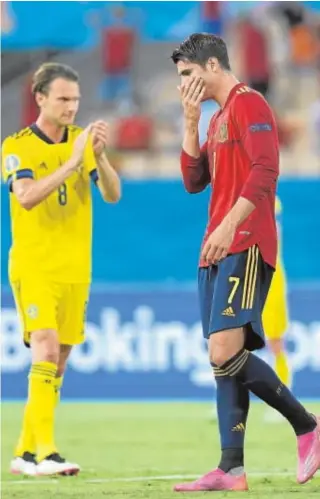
(194, 161)
(191, 94)
(109, 181)
(31, 192)
(220, 241)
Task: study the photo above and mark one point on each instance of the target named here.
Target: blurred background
(144, 335)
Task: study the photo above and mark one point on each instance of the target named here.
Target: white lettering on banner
(118, 345)
(171, 348)
(14, 355)
(87, 357)
(306, 341)
(315, 360)
(302, 352)
(144, 319)
(146, 345)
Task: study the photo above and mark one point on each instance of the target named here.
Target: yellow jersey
(275, 313)
(54, 238)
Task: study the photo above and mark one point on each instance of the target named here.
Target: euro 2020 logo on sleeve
(33, 311)
(11, 163)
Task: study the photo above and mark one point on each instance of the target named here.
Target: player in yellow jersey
(48, 167)
(275, 320)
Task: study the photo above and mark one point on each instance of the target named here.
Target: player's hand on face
(79, 147)
(191, 94)
(218, 243)
(100, 136)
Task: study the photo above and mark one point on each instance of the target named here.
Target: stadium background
(144, 335)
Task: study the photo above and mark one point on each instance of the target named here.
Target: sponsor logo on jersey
(228, 312)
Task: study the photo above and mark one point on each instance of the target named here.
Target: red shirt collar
(232, 92)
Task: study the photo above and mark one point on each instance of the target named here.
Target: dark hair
(199, 47)
(49, 72)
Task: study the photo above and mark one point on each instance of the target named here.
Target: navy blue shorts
(233, 293)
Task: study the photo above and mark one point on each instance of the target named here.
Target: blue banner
(76, 25)
(147, 344)
(154, 233)
(73, 24)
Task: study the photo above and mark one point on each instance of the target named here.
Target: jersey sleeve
(195, 171)
(90, 162)
(259, 138)
(15, 162)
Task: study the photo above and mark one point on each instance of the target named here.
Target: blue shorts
(233, 293)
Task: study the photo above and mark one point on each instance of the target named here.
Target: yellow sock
(57, 387)
(26, 442)
(41, 405)
(282, 368)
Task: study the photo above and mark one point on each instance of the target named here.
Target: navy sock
(233, 407)
(260, 379)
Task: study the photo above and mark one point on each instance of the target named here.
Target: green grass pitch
(138, 450)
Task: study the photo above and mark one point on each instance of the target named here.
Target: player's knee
(219, 357)
(220, 354)
(45, 346)
(224, 345)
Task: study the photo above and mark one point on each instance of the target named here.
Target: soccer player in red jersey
(240, 162)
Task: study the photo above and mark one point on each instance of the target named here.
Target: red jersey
(118, 45)
(240, 159)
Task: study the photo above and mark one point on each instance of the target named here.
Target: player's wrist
(99, 156)
(191, 126)
(73, 164)
(231, 222)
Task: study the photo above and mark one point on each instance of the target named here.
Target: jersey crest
(222, 134)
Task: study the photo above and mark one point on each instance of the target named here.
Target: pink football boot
(215, 480)
(308, 454)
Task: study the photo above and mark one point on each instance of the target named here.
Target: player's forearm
(32, 193)
(194, 161)
(195, 172)
(109, 181)
(240, 211)
(191, 143)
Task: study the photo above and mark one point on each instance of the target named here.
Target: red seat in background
(134, 133)
(117, 49)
